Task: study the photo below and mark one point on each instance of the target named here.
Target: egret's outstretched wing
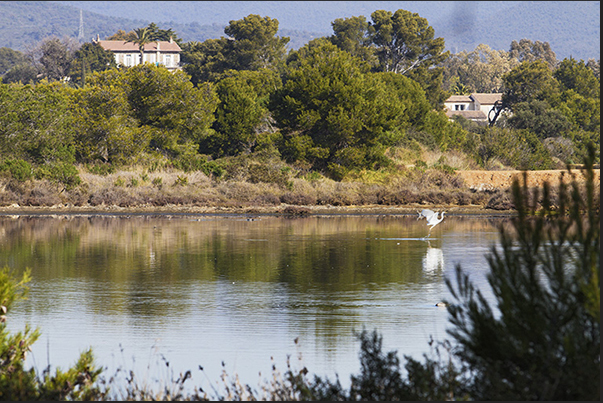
(426, 213)
(432, 220)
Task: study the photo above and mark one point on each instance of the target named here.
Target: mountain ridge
(571, 28)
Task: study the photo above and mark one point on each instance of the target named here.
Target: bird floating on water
(441, 304)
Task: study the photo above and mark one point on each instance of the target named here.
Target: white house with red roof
(476, 106)
(165, 53)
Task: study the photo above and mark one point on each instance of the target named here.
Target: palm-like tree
(143, 37)
(460, 89)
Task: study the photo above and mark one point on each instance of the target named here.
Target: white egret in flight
(431, 217)
(433, 220)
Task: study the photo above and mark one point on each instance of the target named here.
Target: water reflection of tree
(136, 254)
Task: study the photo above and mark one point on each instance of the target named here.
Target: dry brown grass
(408, 156)
(166, 187)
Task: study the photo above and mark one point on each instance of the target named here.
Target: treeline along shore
(356, 118)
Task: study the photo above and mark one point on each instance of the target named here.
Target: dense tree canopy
(405, 41)
(255, 43)
(352, 35)
(168, 105)
(335, 105)
(205, 61)
(319, 103)
(105, 126)
(575, 75)
(528, 51)
(528, 81)
(334, 112)
(570, 95)
(10, 58)
(584, 113)
(90, 57)
(118, 115)
(22, 73)
(36, 124)
(539, 118)
(158, 34)
(252, 45)
(405, 44)
(480, 70)
(242, 117)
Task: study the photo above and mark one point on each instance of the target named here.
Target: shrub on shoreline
(243, 182)
(126, 190)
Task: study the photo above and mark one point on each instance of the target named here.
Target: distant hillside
(311, 16)
(24, 23)
(572, 28)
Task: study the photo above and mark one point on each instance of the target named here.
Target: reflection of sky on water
(164, 288)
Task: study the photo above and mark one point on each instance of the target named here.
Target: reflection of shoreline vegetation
(544, 345)
(62, 245)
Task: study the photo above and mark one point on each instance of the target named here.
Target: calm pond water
(143, 290)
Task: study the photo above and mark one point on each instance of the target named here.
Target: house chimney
(171, 41)
(97, 37)
(158, 45)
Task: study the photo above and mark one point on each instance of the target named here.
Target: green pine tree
(542, 341)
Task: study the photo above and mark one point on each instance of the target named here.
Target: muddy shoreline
(282, 210)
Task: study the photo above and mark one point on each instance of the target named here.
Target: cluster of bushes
(245, 182)
(57, 172)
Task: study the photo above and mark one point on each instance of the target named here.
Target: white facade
(170, 61)
(474, 107)
(159, 53)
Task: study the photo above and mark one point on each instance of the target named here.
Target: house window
(128, 60)
(459, 107)
(168, 60)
